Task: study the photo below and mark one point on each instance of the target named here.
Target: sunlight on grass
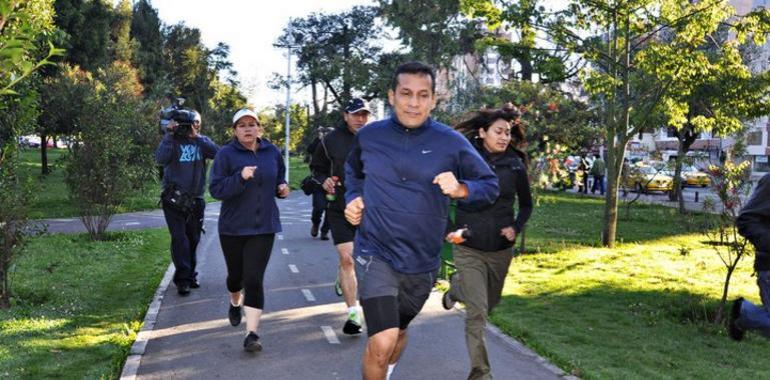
(639, 311)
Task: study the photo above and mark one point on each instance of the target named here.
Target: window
(754, 138)
(761, 164)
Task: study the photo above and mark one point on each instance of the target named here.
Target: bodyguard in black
(328, 162)
(319, 196)
(184, 165)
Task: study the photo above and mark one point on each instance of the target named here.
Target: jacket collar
(262, 144)
(401, 128)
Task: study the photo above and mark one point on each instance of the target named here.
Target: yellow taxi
(694, 177)
(645, 179)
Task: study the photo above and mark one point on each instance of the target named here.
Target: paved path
(301, 327)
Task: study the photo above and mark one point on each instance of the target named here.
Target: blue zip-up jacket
(184, 162)
(248, 207)
(405, 214)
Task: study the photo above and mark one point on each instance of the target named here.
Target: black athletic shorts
(389, 298)
(342, 231)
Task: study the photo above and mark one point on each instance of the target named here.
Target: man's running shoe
(353, 324)
(338, 286)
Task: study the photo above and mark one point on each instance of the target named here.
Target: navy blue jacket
(184, 162)
(248, 207)
(405, 214)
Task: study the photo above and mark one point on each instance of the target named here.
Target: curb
(137, 349)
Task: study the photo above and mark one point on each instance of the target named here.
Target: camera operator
(183, 152)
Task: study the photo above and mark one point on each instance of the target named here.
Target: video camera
(183, 117)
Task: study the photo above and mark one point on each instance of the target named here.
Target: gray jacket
(754, 223)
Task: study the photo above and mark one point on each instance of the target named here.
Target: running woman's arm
(524, 194)
(226, 182)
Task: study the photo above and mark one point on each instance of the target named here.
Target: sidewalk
(190, 337)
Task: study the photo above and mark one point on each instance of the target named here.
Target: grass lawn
(78, 306)
(639, 311)
(51, 193)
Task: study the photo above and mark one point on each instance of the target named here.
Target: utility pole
(288, 109)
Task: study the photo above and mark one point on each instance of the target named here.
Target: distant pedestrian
(328, 167)
(182, 154)
(319, 195)
(248, 174)
(400, 175)
(483, 259)
(754, 223)
(582, 173)
(598, 168)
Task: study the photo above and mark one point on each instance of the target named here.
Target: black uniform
(328, 161)
(319, 199)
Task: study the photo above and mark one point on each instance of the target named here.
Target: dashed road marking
(131, 223)
(330, 335)
(280, 237)
(285, 251)
(293, 268)
(308, 295)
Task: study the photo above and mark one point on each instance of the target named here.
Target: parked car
(694, 177)
(644, 179)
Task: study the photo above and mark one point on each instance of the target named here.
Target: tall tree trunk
(686, 138)
(526, 68)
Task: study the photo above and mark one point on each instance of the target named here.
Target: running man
(400, 176)
(329, 162)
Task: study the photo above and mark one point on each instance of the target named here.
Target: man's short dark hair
(414, 68)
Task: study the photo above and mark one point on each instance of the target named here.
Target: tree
(122, 46)
(617, 37)
(21, 24)
(523, 17)
(715, 97)
(434, 30)
(336, 57)
(86, 31)
(109, 158)
(146, 30)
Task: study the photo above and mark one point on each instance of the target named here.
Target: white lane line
(308, 295)
(293, 268)
(284, 251)
(131, 223)
(330, 335)
(280, 237)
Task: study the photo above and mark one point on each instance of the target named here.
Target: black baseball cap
(357, 104)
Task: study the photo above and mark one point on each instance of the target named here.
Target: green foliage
(110, 157)
(148, 57)
(122, 46)
(78, 304)
(274, 122)
(85, 29)
(218, 121)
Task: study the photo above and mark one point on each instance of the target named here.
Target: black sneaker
(183, 289)
(447, 302)
(314, 230)
(251, 343)
(195, 284)
(234, 314)
(733, 330)
(325, 235)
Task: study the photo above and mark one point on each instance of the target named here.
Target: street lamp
(297, 38)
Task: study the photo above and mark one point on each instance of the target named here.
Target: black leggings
(246, 258)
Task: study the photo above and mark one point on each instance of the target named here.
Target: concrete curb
(137, 349)
(519, 347)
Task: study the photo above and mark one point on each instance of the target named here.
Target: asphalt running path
(301, 327)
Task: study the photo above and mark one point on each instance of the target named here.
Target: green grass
(78, 304)
(298, 170)
(638, 311)
(51, 196)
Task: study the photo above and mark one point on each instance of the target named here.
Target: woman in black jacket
(483, 258)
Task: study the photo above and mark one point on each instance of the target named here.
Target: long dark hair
(485, 117)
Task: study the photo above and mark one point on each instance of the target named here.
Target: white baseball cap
(244, 112)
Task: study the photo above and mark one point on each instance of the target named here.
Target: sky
(250, 28)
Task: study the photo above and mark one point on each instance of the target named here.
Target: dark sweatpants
(319, 211)
(185, 230)
(246, 258)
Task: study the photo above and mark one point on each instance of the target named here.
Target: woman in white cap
(248, 174)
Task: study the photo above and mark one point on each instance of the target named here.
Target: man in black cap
(328, 167)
